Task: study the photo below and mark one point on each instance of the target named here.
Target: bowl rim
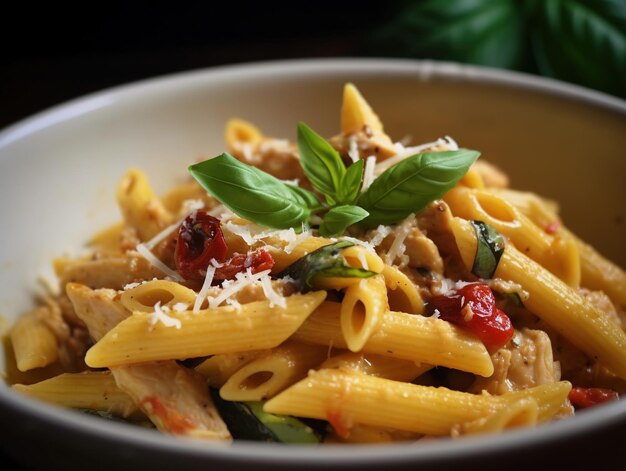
(424, 69)
(263, 453)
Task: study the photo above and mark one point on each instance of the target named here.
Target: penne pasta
(87, 390)
(271, 372)
(353, 398)
(555, 302)
(404, 336)
(212, 331)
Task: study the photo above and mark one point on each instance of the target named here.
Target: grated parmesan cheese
(353, 149)
(368, 173)
(160, 315)
(148, 255)
(397, 249)
(244, 279)
(379, 234)
(446, 143)
(206, 286)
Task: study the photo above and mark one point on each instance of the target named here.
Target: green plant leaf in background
(485, 32)
(583, 41)
(580, 41)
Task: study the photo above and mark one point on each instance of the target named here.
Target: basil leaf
(339, 218)
(486, 32)
(321, 163)
(412, 183)
(488, 250)
(306, 196)
(286, 429)
(327, 261)
(253, 194)
(582, 41)
(351, 183)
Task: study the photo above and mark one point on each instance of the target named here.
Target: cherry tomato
(200, 240)
(586, 397)
(474, 308)
(257, 261)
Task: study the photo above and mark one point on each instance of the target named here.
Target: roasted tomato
(200, 239)
(474, 308)
(257, 261)
(587, 397)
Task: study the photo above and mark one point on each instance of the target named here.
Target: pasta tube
(221, 330)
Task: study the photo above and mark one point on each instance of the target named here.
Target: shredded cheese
(160, 315)
(397, 249)
(353, 150)
(206, 286)
(368, 173)
(148, 255)
(446, 143)
(379, 234)
(244, 279)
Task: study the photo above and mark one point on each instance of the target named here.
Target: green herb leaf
(327, 261)
(582, 41)
(253, 194)
(351, 183)
(286, 429)
(488, 250)
(486, 32)
(339, 218)
(412, 183)
(321, 163)
(248, 421)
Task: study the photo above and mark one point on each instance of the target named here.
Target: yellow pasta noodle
(377, 365)
(86, 390)
(272, 372)
(559, 255)
(141, 208)
(555, 302)
(401, 291)
(405, 336)
(362, 310)
(34, 344)
(167, 293)
(221, 330)
(364, 399)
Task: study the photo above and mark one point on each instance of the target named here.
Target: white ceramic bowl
(59, 168)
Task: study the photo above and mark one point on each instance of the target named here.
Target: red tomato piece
(171, 419)
(257, 261)
(200, 239)
(474, 308)
(587, 397)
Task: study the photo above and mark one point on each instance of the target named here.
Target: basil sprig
(339, 218)
(489, 249)
(412, 183)
(402, 189)
(327, 261)
(253, 194)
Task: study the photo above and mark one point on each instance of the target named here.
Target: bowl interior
(58, 170)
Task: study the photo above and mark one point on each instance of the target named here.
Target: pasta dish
(343, 290)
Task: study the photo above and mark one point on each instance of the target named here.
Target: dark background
(51, 53)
